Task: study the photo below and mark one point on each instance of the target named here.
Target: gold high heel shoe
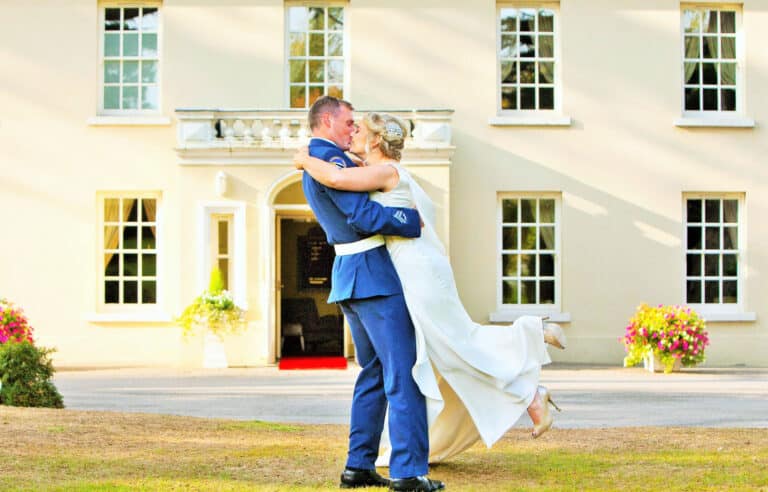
(545, 398)
(554, 335)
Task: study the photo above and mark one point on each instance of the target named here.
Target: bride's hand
(300, 157)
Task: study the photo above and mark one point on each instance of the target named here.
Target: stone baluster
(266, 133)
(285, 132)
(303, 133)
(228, 129)
(248, 125)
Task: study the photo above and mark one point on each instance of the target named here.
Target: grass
(86, 451)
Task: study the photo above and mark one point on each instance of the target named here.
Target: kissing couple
(439, 380)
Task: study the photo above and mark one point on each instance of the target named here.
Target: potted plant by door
(215, 314)
(665, 338)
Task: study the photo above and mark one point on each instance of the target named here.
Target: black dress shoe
(416, 484)
(353, 479)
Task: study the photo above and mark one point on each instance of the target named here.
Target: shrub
(14, 326)
(669, 332)
(25, 374)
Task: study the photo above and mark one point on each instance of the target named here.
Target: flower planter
(214, 356)
(652, 363)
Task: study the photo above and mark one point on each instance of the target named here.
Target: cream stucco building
(585, 156)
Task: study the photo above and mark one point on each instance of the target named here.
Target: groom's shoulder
(328, 152)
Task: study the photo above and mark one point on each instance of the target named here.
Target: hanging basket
(652, 363)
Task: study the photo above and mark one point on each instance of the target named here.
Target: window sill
(530, 120)
(137, 317)
(715, 122)
(129, 120)
(507, 316)
(715, 317)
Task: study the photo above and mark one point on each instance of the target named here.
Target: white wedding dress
(477, 379)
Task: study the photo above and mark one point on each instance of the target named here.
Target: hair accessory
(392, 129)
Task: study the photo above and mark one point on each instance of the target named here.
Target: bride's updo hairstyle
(392, 131)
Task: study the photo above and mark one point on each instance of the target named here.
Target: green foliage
(25, 373)
(214, 309)
(669, 333)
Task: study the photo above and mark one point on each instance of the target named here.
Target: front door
(307, 325)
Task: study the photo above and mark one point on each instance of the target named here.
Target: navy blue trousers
(386, 351)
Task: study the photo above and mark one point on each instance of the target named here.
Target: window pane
(693, 265)
(316, 18)
(508, 72)
(111, 44)
(112, 262)
(148, 240)
(528, 292)
(712, 291)
(298, 44)
(728, 101)
(546, 47)
(150, 97)
(711, 265)
(527, 46)
(224, 268)
(317, 71)
(527, 73)
(298, 96)
(728, 73)
(709, 22)
(692, 21)
(130, 71)
(728, 47)
(728, 22)
(298, 71)
(509, 20)
(111, 210)
(509, 238)
(130, 292)
(692, 73)
(509, 292)
(130, 44)
(528, 265)
(112, 97)
(298, 18)
(111, 237)
(546, 237)
(693, 291)
(712, 238)
(546, 98)
(149, 72)
(546, 20)
(730, 237)
(693, 209)
(335, 19)
(223, 237)
(316, 44)
(130, 97)
(508, 98)
(710, 73)
(314, 93)
(335, 71)
(710, 99)
(130, 265)
(129, 206)
(131, 19)
(547, 265)
(528, 238)
(546, 73)
(712, 208)
(547, 292)
(692, 102)
(130, 237)
(694, 237)
(508, 46)
(509, 211)
(730, 292)
(149, 19)
(335, 45)
(730, 266)
(547, 210)
(149, 265)
(111, 72)
(710, 47)
(509, 265)
(528, 210)
(527, 20)
(111, 292)
(692, 45)
(148, 292)
(336, 91)
(111, 19)
(149, 45)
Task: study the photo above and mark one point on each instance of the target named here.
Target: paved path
(589, 396)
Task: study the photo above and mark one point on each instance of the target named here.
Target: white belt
(359, 246)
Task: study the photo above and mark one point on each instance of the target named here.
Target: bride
(477, 379)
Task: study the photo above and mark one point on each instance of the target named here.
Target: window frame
(740, 101)
(557, 60)
(534, 309)
(287, 47)
(121, 307)
(717, 308)
(127, 113)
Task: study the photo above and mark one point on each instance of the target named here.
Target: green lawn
(83, 451)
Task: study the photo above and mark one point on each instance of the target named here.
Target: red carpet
(291, 363)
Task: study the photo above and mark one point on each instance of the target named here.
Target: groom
(366, 286)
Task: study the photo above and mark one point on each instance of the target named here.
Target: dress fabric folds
(477, 379)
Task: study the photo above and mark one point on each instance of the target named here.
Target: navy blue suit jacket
(348, 216)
